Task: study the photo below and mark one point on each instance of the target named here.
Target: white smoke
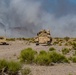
(61, 27)
(27, 17)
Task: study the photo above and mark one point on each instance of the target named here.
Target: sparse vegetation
(66, 38)
(27, 55)
(47, 59)
(43, 52)
(60, 44)
(56, 42)
(74, 39)
(69, 74)
(54, 55)
(66, 44)
(13, 67)
(10, 39)
(42, 59)
(73, 59)
(26, 71)
(52, 49)
(74, 45)
(9, 67)
(70, 43)
(65, 50)
(25, 39)
(58, 58)
(74, 53)
(57, 38)
(3, 65)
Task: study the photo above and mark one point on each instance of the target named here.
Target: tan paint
(2, 40)
(43, 37)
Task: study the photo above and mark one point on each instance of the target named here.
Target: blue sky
(72, 1)
(54, 6)
(60, 7)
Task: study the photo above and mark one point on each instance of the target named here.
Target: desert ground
(12, 52)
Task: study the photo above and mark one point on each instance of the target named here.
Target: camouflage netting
(44, 33)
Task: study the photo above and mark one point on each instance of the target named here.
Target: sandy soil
(59, 69)
(14, 48)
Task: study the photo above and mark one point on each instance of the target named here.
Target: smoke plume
(24, 18)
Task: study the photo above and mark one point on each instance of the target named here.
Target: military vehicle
(43, 37)
(3, 40)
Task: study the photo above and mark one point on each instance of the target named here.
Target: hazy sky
(27, 17)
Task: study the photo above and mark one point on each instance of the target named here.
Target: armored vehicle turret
(43, 37)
